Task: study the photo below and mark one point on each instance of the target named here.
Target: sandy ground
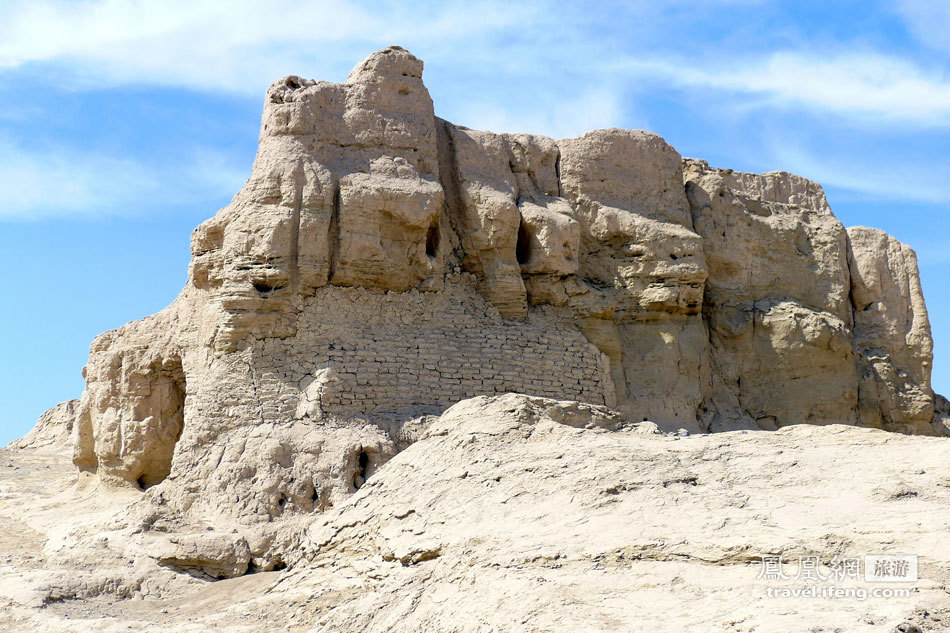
(501, 520)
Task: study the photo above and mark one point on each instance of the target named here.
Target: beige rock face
(891, 333)
(132, 411)
(344, 190)
(776, 299)
(381, 264)
(941, 421)
(641, 273)
(639, 247)
(486, 211)
(53, 431)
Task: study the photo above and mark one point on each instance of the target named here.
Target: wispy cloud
(582, 80)
(61, 181)
(868, 86)
(564, 118)
(243, 45)
(882, 179)
(237, 46)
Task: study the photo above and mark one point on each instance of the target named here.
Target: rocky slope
(381, 265)
(515, 513)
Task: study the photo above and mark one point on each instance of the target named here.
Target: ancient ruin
(382, 264)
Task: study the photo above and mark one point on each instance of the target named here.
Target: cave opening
(265, 287)
(523, 248)
(166, 403)
(432, 241)
(362, 464)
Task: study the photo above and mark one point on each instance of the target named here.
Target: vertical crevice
(333, 232)
(862, 367)
(249, 363)
(849, 262)
(557, 172)
(700, 203)
(519, 194)
(300, 181)
(449, 177)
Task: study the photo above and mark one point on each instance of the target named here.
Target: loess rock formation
(382, 264)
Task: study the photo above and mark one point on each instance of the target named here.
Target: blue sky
(125, 124)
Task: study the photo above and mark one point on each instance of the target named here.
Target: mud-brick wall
(412, 353)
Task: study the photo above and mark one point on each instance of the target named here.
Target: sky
(124, 124)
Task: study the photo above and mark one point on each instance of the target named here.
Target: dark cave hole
(523, 249)
(264, 287)
(432, 241)
(359, 478)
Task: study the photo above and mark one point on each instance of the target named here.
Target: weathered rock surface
(53, 432)
(941, 421)
(381, 265)
(891, 333)
(523, 513)
(642, 271)
(776, 299)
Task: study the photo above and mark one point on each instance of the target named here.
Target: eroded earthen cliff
(382, 264)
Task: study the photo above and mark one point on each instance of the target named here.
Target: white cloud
(863, 86)
(549, 115)
(579, 80)
(243, 45)
(887, 180)
(61, 181)
(238, 45)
